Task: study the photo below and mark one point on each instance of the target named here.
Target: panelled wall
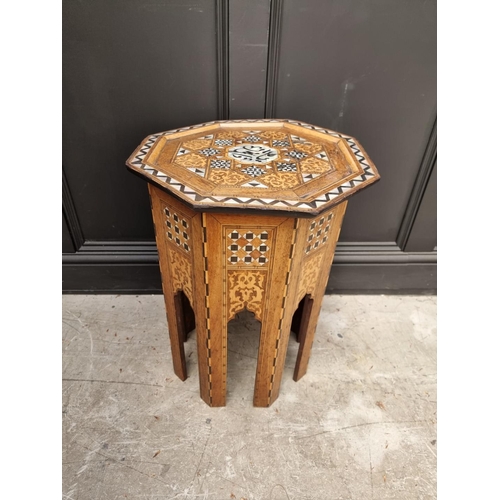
(362, 67)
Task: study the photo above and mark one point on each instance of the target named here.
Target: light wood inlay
(177, 229)
(309, 275)
(246, 290)
(226, 177)
(277, 165)
(191, 160)
(319, 231)
(247, 215)
(180, 273)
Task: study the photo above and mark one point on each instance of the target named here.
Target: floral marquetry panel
(180, 273)
(309, 274)
(246, 290)
(275, 165)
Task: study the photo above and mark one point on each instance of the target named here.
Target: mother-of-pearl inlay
(219, 164)
(253, 153)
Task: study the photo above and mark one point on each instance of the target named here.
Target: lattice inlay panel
(318, 232)
(177, 229)
(247, 247)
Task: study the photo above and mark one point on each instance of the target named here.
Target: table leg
(176, 332)
(211, 327)
(276, 317)
(173, 230)
(226, 263)
(186, 315)
(316, 290)
(245, 264)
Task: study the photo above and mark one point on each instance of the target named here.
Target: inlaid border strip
(207, 305)
(285, 300)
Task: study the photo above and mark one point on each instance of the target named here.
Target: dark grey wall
(248, 36)
(130, 67)
(67, 243)
(367, 69)
(134, 67)
(423, 235)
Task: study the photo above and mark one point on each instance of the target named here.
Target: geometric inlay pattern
(177, 229)
(297, 155)
(318, 232)
(247, 247)
(286, 167)
(223, 142)
(252, 138)
(253, 171)
(289, 154)
(209, 151)
(220, 164)
(254, 184)
(198, 171)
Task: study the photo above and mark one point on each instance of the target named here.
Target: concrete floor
(360, 425)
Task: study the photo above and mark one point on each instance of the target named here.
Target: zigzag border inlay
(318, 202)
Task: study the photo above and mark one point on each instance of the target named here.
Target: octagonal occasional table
(247, 215)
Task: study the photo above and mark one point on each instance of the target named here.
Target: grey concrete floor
(360, 425)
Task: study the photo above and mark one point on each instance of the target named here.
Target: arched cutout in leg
(185, 315)
(179, 331)
(243, 337)
(297, 319)
(305, 307)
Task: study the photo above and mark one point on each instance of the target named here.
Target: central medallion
(253, 153)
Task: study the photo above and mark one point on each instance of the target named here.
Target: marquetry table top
(272, 165)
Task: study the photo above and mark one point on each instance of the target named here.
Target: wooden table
(247, 215)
